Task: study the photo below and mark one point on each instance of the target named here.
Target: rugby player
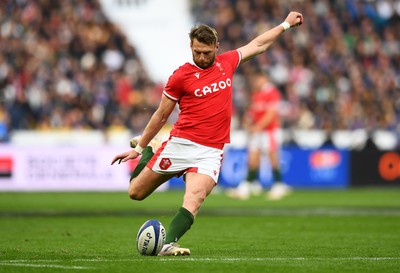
(203, 91)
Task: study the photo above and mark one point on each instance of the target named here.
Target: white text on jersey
(214, 87)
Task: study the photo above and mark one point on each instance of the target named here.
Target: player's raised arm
(259, 44)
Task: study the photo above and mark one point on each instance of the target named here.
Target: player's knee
(136, 195)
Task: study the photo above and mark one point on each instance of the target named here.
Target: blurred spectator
(343, 69)
(64, 66)
(4, 124)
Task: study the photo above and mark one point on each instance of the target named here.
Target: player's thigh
(146, 183)
(198, 187)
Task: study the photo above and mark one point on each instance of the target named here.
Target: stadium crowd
(340, 70)
(63, 65)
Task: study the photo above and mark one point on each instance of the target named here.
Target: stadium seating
(63, 65)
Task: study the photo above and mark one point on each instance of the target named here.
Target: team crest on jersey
(165, 163)
(218, 64)
(197, 75)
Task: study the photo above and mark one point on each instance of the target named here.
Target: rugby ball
(150, 238)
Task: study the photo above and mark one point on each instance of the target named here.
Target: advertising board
(301, 168)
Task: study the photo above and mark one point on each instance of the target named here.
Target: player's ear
(217, 46)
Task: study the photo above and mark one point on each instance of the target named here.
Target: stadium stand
(64, 66)
(340, 70)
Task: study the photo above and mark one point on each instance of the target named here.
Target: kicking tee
(204, 97)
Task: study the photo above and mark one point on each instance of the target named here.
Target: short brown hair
(204, 34)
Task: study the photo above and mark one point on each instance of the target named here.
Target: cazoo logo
(212, 88)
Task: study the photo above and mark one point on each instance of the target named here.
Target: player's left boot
(173, 249)
(154, 143)
(241, 192)
(256, 189)
(278, 191)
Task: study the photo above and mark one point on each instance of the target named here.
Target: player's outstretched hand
(132, 154)
(294, 19)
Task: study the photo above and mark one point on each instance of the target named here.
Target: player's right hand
(294, 19)
(132, 154)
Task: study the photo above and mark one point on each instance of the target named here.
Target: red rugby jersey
(261, 101)
(205, 100)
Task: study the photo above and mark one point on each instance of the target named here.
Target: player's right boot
(154, 143)
(173, 249)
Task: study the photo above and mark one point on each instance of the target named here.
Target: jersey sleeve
(173, 89)
(233, 57)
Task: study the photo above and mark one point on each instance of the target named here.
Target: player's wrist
(139, 149)
(285, 25)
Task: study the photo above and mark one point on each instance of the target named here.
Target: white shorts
(264, 141)
(179, 156)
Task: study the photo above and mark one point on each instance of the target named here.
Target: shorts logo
(165, 163)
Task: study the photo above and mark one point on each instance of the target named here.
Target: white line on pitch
(42, 265)
(168, 259)
(281, 259)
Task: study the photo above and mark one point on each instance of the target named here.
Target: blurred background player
(262, 123)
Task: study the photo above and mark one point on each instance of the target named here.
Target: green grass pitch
(355, 230)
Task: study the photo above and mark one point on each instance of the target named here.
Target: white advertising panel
(62, 169)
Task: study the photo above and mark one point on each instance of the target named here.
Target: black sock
(252, 175)
(277, 175)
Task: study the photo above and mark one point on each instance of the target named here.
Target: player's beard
(205, 64)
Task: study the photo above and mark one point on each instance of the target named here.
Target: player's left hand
(132, 154)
